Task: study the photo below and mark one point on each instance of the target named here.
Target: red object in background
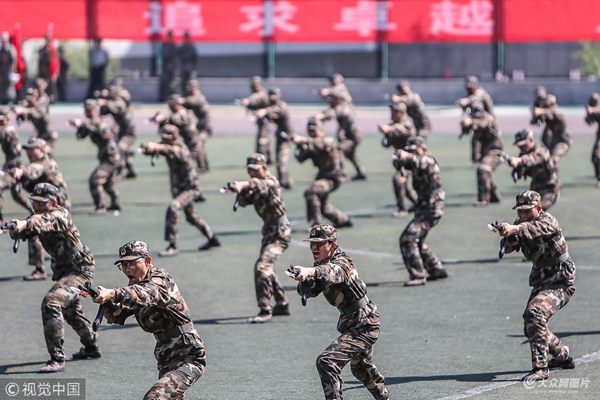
(311, 21)
(20, 66)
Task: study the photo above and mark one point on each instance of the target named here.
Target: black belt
(551, 261)
(174, 332)
(354, 306)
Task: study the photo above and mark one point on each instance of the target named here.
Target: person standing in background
(98, 62)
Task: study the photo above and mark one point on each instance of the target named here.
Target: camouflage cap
(414, 143)
(336, 77)
(551, 99)
(402, 84)
(523, 136)
(169, 132)
(174, 99)
(41, 83)
(594, 100)
(256, 79)
(256, 161)
(113, 90)
(527, 199)
(44, 192)
(35, 143)
(132, 251)
(540, 91)
(117, 82)
(398, 107)
(274, 93)
(313, 124)
(4, 113)
(32, 94)
(90, 104)
(471, 80)
(192, 84)
(322, 233)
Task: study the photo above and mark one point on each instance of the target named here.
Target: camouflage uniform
(256, 101)
(552, 278)
(41, 122)
(540, 101)
(539, 165)
(279, 114)
(185, 188)
(415, 108)
(9, 142)
(327, 158)
(102, 178)
(348, 134)
(188, 132)
(265, 195)
(556, 137)
(160, 309)
(337, 278)
(124, 129)
(72, 266)
(199, 106)
(593, 116)
(429, 209)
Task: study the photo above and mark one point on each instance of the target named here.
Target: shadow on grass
(582, 237)
(562, 334)
(11, 278)
(487, 377)
(477, 261)
(4, 368)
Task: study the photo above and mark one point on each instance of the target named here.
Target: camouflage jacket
(40, 120)
(594, 117)
(415, 108)
(258, 100)
(103, 138)
(346, 118)
(539, 165)
(555, 130)
(265, 195)
(9, 141)
(182, 173)
(279, 114)
(324, 155)
(158, 306)
(121, 114)
(343, 91)
(400, 133)
(61, 239)
(482, 95)
(43, 170)
(199, 106)
(427, 182)
(182, 120)
(43, 103)
(542, 242)
(126, 96)
(487, 133)
(537, 103)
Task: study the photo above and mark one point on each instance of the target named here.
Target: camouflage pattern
(327, 158)
(539, 165)
(9, 142)
(185, 187)
(338, 280)
(72, 265)
(279, 114)
(102, 178)
(265, 195)
(429, 209)
(199, 106)
(348, 133)
(341, 89)
(41, 122)
(593, 116)
(552, 282)
(480, 94)
(556, 137)
(124, 129)
(486, 154)
(256, 101)
(415, 108)
(190, 135)
(158, 306)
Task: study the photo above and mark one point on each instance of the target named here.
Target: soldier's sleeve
(116, 106)
(328, 114)
(543, 226)
(304, 150)
(85, 129)
(42, 223)
(165, 150)
(32, 172)
(531, 159)
(260, 186)
(330, 272)
(152, 293)
(254, 102)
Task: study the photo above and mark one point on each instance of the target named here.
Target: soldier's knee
(533, 315)
(323, 362)
(174, 207)
(50, 304)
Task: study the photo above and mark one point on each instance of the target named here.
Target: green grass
(438, 340)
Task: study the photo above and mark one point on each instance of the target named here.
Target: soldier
(259, 99)
(429, 209)
(592, 111)
(264, 193)
(153, 297)
(196, 102)
(72, 266)
(123, 93)
(102, 178)
(37, 114)
(277, 112)
(475, 92)
(540, 101)
(337, 85)
(187, 61)
(348, 134)
(327, 158)
(487, 148)
(41, 169)
(415, 108)
(185, 189)
(43, 100)
(169, 66)
(123, 130)
(536, 162)
(334, 274)
(537, 234)
(99, 60)
(556, 137)
(396, 134)
(182, 120)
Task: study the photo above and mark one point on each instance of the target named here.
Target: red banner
(309, 21)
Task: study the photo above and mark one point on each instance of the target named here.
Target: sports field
(451, 339)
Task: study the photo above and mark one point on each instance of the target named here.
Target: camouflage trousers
(543, 303)
(596, 158)
(282, 155)
(354, 346)
(559, 151)
(19, 196)
(402, 190)
(101, 180)
(125, 143)
(185, 201)
(348, 148)
(548, 197)
(263, 141)
(177, 378)
(59, 305)
(424, 132)
(198, 152)
(276, 239)
(50, 136)
(486, 188)
(316, 203)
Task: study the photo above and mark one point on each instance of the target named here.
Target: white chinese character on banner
(269, 16)
(58, 389)
(472, 19)
(366, 17)
(180, 17)
(73, 389)
(29, 389)
(44, 389)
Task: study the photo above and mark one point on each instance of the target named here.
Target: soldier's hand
(324, 92)
(240, 185)
(384, 129)
(16, 173)
(515, 162)
(104, 93)
(21, 225)
(245, 102)
(395, 98)
(104, 295)
(538, 111)
(299, 273)
(466, 121)
(101, 102)
(111, 316)
(261, 113)
(508, 229)
(463, 102)
(75, 122)
(151, 147)
(400, 155)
